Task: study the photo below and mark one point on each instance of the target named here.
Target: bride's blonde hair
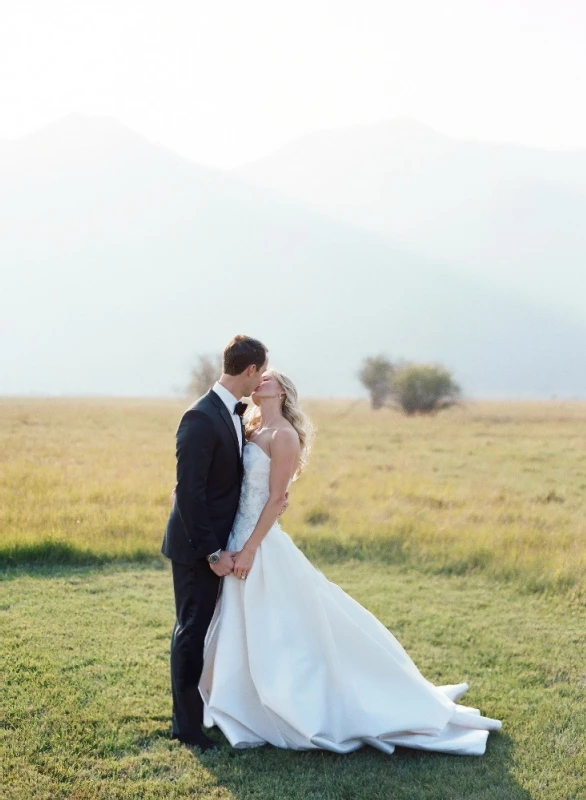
(292, 412)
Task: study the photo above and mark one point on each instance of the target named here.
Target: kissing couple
(264, 646)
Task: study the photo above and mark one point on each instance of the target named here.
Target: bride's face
(269, 386)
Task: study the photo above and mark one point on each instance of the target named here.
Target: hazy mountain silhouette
(511, 213)
(120, 261)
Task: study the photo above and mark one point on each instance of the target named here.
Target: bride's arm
(284, 454)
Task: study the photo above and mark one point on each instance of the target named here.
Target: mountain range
(121, 261)
(515, 215)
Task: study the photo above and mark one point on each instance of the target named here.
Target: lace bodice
(253, 495)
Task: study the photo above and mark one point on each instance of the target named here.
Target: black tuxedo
(209, 477)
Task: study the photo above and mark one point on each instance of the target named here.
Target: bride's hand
(243, 562)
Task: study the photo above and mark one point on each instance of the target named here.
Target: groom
(210, 443)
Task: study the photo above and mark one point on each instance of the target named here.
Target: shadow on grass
(398, 549)
(387, 549)
(366, 774)
(55, 559)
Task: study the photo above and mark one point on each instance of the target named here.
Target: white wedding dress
(293, 660)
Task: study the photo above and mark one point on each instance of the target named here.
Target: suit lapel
(220, 405)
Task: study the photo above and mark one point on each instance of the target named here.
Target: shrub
(376, 374)
(423, 388)
(204, 374)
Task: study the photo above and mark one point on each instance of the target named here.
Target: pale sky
(223, 82)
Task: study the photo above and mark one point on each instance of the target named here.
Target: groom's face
(256, 378)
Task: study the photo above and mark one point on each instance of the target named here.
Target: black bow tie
(240, 408)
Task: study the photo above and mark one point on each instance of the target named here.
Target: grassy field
(493, 487)
(463, 533)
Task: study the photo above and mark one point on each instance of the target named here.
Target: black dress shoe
(200, 740)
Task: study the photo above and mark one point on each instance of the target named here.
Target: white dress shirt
(229, 401)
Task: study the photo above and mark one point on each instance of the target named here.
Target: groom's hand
(285, 505)
(225, 565)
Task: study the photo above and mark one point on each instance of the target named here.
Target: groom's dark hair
(241, 352)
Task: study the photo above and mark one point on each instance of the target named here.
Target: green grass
(463, 533)
(86, 701)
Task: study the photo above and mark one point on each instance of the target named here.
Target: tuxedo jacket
(209, 477)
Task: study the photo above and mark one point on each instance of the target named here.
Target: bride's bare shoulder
(285, 437)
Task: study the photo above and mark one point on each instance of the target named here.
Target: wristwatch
(213, 558)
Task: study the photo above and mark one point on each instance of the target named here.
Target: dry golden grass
(492, 486)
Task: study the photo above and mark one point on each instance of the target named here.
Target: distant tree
(204, 374)
(376, 375)
(423, 388)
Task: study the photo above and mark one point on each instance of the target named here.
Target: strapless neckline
(260, 448)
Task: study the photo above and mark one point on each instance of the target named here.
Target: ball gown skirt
(290, 659)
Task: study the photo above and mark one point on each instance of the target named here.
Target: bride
(289, 657)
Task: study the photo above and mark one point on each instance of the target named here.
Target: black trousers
(196, 590)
